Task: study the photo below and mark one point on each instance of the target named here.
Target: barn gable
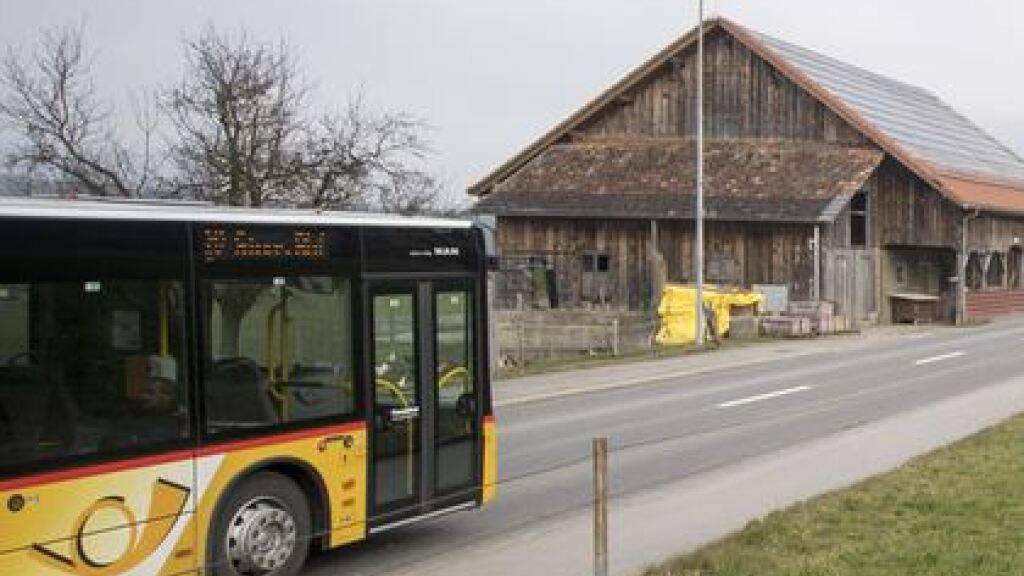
(752, 100)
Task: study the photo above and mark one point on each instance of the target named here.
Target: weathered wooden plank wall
(907, 211)
(745, 98)
(563, 242)
(989, 233)
(735, 254)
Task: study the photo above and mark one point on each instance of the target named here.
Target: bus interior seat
(39, 412)
(6, 430)
(238, 393)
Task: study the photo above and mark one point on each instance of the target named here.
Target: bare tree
(367, 159)
(244, 136)
(411, 192)
(241, 132)
(49, 101)
(236, 113)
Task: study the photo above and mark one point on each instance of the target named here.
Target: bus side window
(279, 350)
(90, 367)
(14, 351)
(14, 328)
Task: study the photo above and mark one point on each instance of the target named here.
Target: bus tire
(262, 529)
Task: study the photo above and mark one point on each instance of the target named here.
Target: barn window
(587, 262)
(859, 220)
(594, 262)
(901, 273)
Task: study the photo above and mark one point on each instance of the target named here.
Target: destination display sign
(254, 243)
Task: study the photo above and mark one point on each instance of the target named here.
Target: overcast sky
(490, 75)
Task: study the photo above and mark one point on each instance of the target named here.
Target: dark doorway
(1013, 266)
(996, 270)
(974, 272)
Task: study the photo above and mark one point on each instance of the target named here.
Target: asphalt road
(676, 428)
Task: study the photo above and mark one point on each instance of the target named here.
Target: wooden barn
(836, 182)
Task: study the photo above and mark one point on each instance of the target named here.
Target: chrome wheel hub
(261, 537)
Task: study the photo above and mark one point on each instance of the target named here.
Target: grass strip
(958, 511)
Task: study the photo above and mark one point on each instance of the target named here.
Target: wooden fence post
(600, 507)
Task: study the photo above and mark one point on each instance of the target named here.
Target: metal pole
(698, 251)
(521, 336)
(600, 507)
(816, 288)
(615, 337)
(961, 296)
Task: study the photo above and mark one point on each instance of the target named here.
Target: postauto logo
(109, 552)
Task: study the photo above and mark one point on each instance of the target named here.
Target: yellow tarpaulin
(677, 309)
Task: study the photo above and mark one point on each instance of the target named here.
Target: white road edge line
(939, 358)
(760, 397)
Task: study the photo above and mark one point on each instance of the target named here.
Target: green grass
(957, 512)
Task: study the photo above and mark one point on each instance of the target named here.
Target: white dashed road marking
(761, 397)
(939, 358)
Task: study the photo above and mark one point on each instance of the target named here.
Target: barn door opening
(1013, 266)
(849, 282)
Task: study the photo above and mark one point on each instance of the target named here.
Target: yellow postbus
(189, 389)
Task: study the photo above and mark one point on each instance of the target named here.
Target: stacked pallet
(786, 326)
(805, 318)
(821, 314)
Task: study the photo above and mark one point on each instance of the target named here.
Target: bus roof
(174, 211)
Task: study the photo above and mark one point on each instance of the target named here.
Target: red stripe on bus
(94, 469)
(78, 472)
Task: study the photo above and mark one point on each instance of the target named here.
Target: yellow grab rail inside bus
(446, 379)
(277, 366)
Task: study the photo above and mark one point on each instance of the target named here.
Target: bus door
(426, 399)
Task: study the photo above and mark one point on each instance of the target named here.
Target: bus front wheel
(263, 529)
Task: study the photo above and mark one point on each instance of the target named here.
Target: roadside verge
(953, 511)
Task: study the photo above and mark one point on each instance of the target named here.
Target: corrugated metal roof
(914, 118)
